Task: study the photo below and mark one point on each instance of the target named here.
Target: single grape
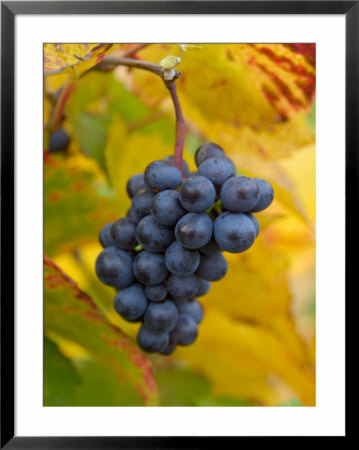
(193, 309)
(218, 170)
(210, 248)
(204, 287)
(114, 268)
(161, 316)
(162, 175)
(131, 302)
(105, 237)
(255, 222)
(197, 194)
(180, 260)
(194, 230)
(166, 207)
(182, 288)
(239, 194)
(123, 233)
(152, 235)
(156, 293)
(266, 195)
(185, 331)
(135, 184)
(171, 347)
(150, 268)
(151, 341)
(234, 232)
(185, 169)
(206, 151)
(212, 267)
(141, 204)
(59, 141)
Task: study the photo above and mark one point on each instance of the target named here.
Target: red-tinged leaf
(80, 197)
(71, 314)
(256, 85)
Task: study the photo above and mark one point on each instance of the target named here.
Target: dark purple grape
(105, 237)
(131, 302)
(114, 267)
(212, 267)
(197, 194)
(206, 151)
(266, 195)
(166, 207)
(161, 316)
(192, 308)
(150, 268)
(156, 293)
(204, 287)
(141, 204)
(123, 233)
(180, 260)
(217, 170)
(185, 331)
(194, 230)
(152, 235)
(135, 184)
(151, 341)
(182, 288)
(234, 232)
(255, 222)
(162, 175)
(239, 194)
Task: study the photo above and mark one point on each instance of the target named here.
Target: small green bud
(170, 62)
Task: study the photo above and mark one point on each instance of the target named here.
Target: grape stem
(180, 124)
(217, 206)
(138, 248)
(61, 103)
(109, 62)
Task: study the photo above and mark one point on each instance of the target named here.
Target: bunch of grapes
(168, 250)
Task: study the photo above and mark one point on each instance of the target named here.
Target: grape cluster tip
(164, 255)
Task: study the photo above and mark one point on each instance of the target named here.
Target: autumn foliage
(257, 341)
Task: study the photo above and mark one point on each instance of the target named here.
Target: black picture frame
(9, 9)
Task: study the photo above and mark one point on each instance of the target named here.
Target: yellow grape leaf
(277, 141)
(253, 84)
(241, 360)
(128, 153)
(73, 59)
(257, 289)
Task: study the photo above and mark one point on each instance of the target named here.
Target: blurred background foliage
(256, 344)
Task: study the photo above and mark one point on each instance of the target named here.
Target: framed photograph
(175, 181)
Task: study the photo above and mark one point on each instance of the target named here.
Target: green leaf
(71, 314)
(100, 387)
(77, 197)
(60, 377)
(90, 132)
(179, 387)
(292, 402)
